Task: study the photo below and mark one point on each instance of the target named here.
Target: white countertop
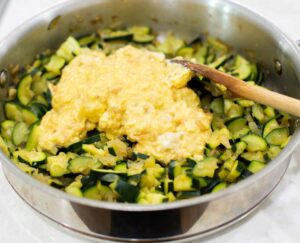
(277, 220)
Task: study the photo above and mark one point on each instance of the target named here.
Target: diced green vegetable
(20, 133)
(24, 92)
(278, 136)
(255, 143)
(256, 166)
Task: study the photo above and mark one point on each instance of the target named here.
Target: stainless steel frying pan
(244, 30)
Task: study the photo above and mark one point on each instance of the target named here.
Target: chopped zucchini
(20, 133)
(13, 111)
(269, 126)
(150, 197)
(219, 187)
(236, 170)
(255, 143)
(83, 164)
(220, 61)
(56, 64)
(278, 136)
(201, 54)
(242, 68)
(39, 110)
(33, 158)
(183, 182)
(249, 156)
(87, 40)
(28, 117)
(92, 193)
(170, 45)
(217, 44)
(217, 106)
(185, 52)
(68, 49)
(58, 165)
(78, 145)
(126, 191)
(273, 151)
(206, 167)
(7, 128)
(255, 166)
(74, 189)
(4, 147)
(141, 34)
(107, 171)
(24, 92)
(110, 35)
(32, 140)
(238, 127)
(258, 112)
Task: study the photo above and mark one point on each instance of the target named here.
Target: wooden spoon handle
(242, 89)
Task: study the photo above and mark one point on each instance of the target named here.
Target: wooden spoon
(243, 89)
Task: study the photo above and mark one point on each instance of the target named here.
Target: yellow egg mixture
(132, 92)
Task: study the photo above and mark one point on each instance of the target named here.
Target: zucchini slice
(183, 182)
(217, 123)
(32, 140)
(33, 158)
(249, 156)
(255, 143)
(206, 167)
(219, 187)
(20, 133)
(127, 192)
(39, 110)
(201, 54)
(69, 49)
(24, 92)
(7, 128)
(278, 136)
(13, 111)
(58, 165)
(82, 164)
(185, 52)
(107, 171)
(55, 64)
(89, 140)
(269, 126)
(255, 166)
(143, 39)
(242, 68)
(273, 151)
(238, 127)
(88, 40)
(92, 193)
(29, 117)
(217, 44)
(141, 34)
(258, 112)
(220, 61)
(170, 45)
(236, 171)
(74, 189)
(110, 35)
(217, 106)
(4, 147)
(269, 112)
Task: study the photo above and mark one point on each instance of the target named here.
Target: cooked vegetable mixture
(107, 117)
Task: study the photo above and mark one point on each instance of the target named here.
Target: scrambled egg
(132, 92)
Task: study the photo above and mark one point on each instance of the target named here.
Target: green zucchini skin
(246, 135)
